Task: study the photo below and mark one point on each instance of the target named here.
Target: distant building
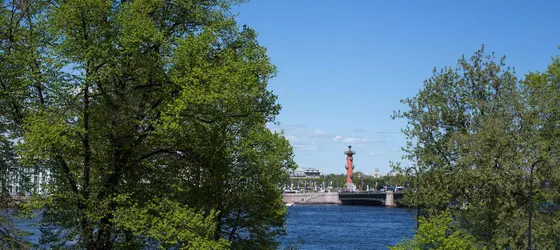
(394, 173)
(25, 180)
(376, 173)
(308, 173)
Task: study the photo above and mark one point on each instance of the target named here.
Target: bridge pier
(390, 199)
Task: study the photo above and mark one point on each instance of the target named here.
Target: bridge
(388, 198)
(374, 198)
(371, 198)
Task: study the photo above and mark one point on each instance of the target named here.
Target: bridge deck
(369, 198)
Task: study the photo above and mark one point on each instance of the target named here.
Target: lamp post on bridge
(545, 185)
(362, 182)
(408, 184)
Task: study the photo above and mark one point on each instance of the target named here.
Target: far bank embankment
(311, 198)
(373, 198)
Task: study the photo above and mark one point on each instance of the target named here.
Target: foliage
(170, 225)
(474, 131)
(20, 90)
(439, 232)
(164, 102)
(338, 181)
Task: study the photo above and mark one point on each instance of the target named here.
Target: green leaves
(170, 225)
(439, 232)
(162, 102)
(22, 91)
(44, 134)
(474, 131)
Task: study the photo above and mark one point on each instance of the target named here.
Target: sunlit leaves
(474, 131)
(165, 103)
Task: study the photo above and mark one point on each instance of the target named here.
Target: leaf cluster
(474, 132)
(164, 102)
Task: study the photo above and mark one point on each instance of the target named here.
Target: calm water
(330, 227)
(30, 226)
(347, 227)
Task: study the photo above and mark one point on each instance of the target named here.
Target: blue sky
(343, 66)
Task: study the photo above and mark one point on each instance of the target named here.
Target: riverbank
(389, 198)
(311, 198)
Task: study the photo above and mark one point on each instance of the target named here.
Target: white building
(25, 180)
(308, 173)
(395, 173)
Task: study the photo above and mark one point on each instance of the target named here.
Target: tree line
(339, 180)
(150, 115)
(480, 135)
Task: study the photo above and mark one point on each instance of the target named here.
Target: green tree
(541, 94)
(439, 232)
(474, 132)
(169, 225)
(21, 89)
(158, 113)
(335, 179)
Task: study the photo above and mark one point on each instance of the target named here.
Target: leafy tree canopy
(439, 232)
(144, 110)
(474, 131)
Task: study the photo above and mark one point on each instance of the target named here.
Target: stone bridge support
(390, 199)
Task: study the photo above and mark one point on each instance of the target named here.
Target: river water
(328, 227)
(347, 227)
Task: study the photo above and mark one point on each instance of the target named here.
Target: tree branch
(67, 173)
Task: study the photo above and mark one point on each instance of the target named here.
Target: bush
(439, 232)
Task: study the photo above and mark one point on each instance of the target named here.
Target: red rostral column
(349, 165)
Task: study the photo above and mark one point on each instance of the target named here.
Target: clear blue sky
(343, 66)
